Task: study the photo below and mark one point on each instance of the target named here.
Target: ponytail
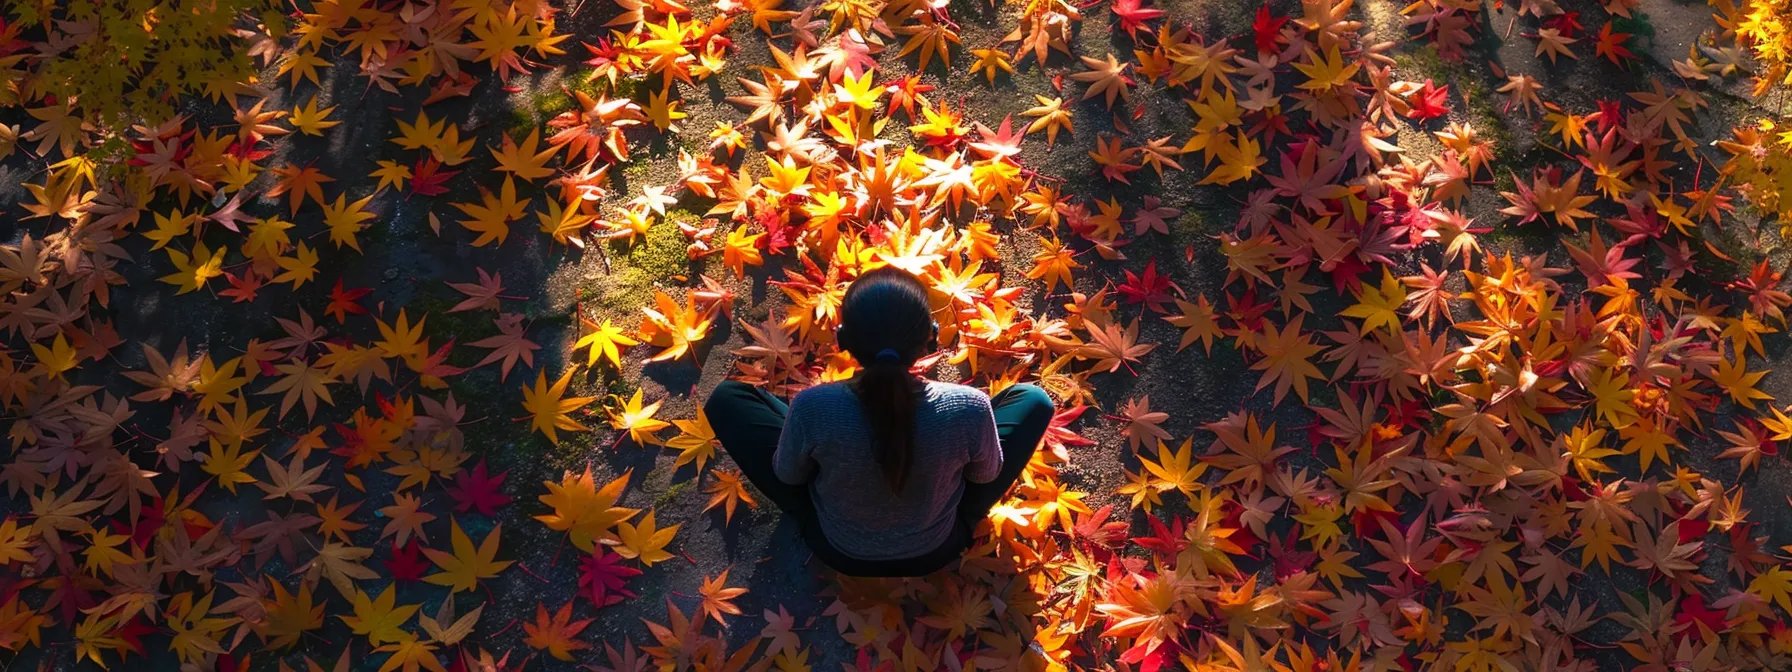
(887, 393)
(886, 324)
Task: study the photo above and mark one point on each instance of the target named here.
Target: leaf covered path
(366, 335)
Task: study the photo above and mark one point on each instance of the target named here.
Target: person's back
(828, 444)
(885, 474)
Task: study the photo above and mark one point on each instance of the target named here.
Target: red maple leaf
(473, 490)
(1346, 275)
(1151, 655)
(1367, 522)
(132, 632)
(407, 563)
(1429, 101)
(247, 151)
(1567, 23)
(1059, 435)
(1098, 528)
(1148, 288)
(345, 302)
(1693, 609)
(427, 178)
(1693, 530)
(1610, 114)
(1247, 311)
(1286, 555)
(1611, 46)
(779, 233)
(437, 363)
(1267, 30)
(243, 288)
(1165, 540)
(1133, 15)
(603, 578)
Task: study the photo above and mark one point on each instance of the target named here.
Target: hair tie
(889, 356)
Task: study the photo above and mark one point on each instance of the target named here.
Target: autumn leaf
(638, 421)
(1113, 346)
(675, 328)
(646, 541)
(1106, 78)
(378, 618)
(476, 490)
(549, 408)
(492, 215)
(1053, 264)
(481, 295)
(508, 346)
(1197, 321)
(1051, 117)
(445, 627)
(991, 61)
(410, 655)
(604, 341)
(728, 491)
(301, 382)
(588, 513)
(405, 517)
(718, 599)
(1142, 423)
(466, 565)
(310, 120)
(556, 635)
(603, 579)
(696, 443)
(1175, 470)
(525, 162)
(1378, 307)
(192, 271)
(1286, 355)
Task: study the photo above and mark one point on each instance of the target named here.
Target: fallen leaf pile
(1494, 439)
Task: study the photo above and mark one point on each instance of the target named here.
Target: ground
(406, 263)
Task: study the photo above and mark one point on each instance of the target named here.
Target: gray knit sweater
(827, 445)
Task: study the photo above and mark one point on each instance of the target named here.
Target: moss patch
(1191, 227)
(1476, 97)
(672, 492)
(657, 256)
(464, 327)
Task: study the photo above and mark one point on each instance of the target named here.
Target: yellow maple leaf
(646, 542)
(227, 461)
(1380, 307)
(638, 421)
(467, 565)
(548, 410)
(192, 272)
(605, 342)
(492, 215)
(378, 618)
(584, 511)
(311, 121)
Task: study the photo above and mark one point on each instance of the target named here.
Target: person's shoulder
(956, 397)
(823, 394)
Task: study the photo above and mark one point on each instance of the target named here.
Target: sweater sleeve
(792, 461)
(986, 445)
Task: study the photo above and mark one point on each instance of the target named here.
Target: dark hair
(887, 324)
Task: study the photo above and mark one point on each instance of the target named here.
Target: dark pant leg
(748, 421)
(1023, 412)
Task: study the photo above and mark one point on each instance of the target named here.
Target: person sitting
(886, 474)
